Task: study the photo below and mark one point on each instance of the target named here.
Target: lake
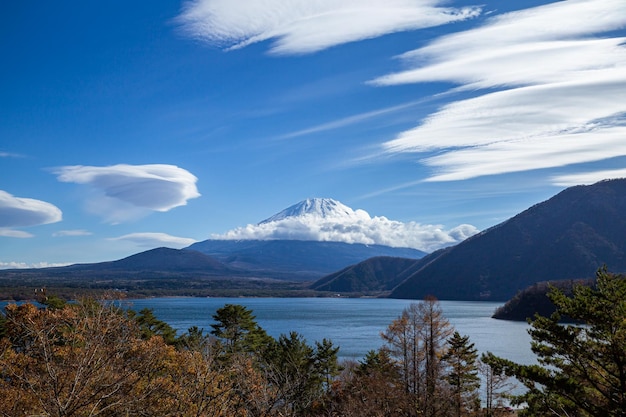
(353, 324)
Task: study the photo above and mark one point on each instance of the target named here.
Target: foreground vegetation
(99, 359)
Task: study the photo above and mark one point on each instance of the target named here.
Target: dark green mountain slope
(534, 300)
(568, 236)
(377, 274)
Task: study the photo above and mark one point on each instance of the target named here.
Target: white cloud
(358, 228)
(306, 26)
(156, 239)
(23, 212)
(587, 178)
(15, 233)
(352, 120)
(24, 265)
(129, 191)
(10, 155)
(78, 232)
(562, 98)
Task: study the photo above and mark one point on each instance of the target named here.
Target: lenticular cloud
(127, 190)
(23, 212)
(149, 239)
(305, 26)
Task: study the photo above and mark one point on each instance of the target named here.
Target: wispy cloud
(24, 212)
(587, 178)
(352, 120)
(562, 97)
(355, 227)
(15, 233)
(78, 232)
(10, 155)
(306, 26)
(152, 240)
(128, 191)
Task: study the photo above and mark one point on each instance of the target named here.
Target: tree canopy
(581, 367)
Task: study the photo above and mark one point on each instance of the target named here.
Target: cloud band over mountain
(352, 226)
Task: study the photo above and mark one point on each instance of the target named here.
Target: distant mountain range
(294, 259)
(235, 261)
(568, 237)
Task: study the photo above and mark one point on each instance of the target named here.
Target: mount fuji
(300, 244)
(328, 220)
(323, 208)
(305, 241)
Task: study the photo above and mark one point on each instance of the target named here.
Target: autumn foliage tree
(418, 340)
(92, 358)
(373, 387)
(82, 359)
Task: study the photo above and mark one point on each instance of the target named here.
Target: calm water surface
(353, 324)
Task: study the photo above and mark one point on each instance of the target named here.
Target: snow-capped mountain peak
(318, 207)
(328, 220)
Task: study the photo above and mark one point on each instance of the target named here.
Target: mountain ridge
(304, 260)
(568, 236)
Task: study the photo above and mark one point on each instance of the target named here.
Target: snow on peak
(324, 208)
(327, 220)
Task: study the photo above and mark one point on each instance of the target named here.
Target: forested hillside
(569, 236)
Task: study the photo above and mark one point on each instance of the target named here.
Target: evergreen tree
(326, 361)
(372, 388)
(379, 362)
(151, 326)
(462, 376)
(195, 339)
(290, 365)
(582, 368)
(236, 326)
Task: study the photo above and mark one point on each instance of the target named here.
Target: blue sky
(130, 125)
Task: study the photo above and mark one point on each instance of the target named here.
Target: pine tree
(582, 368)
(151, 326)
(236, 326)
(462, 376)
(326, 361)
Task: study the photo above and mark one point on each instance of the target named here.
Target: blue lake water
(353, 324)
